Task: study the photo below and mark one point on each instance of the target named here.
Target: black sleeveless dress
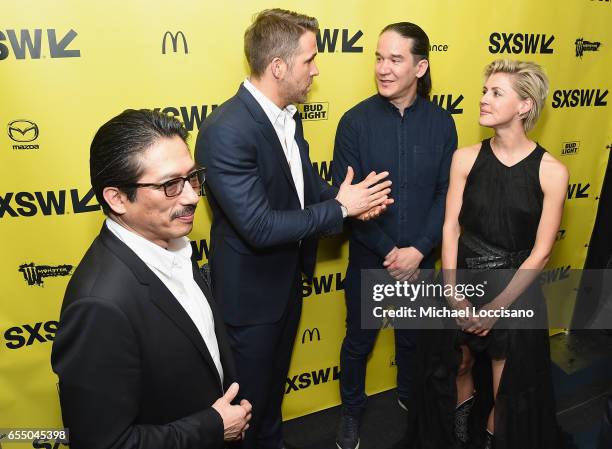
(501, 209)
(499, 216)
(502, 205)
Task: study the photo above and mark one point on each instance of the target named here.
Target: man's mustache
(185, 211)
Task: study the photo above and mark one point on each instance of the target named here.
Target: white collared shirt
(173, 267)
(284, 125)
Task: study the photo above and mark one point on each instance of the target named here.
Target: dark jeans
(357, 346)
(605, 436)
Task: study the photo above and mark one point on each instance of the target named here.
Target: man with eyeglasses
(141, 353)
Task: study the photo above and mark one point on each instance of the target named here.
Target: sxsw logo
(327, 41)
(570, 148)
(200, 249)
(582, 46)
(448, 102)
(577, 191)
(573, 98)
(28, 204)
(42, 443)
(27, 334)
(521, 43)
(555, 274)
(22, 132)
(29, 43)
(192, 116)
(174, 40)
(324, 168)
(310, 378)
(34, 274)
(322, 284)
(313, 111)
(311, 334)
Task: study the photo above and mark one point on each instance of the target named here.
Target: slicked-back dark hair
(116, 149)
(420, 50)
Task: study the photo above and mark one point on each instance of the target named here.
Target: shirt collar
(273, 112)
(178, 252)
(413, 107)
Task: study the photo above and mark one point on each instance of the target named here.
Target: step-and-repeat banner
(67, 66)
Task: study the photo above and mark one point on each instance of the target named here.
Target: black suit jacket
(260, 236)
(134, 372)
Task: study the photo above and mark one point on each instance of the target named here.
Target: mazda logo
(22, 130)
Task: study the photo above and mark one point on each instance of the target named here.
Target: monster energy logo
(34, 274)
(582, 46)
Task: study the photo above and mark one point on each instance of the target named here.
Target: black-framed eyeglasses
(174, 187)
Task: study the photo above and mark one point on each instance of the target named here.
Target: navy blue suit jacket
(261, 238)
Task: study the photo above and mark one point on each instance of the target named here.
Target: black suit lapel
(227, 360)
(268, 131)
(160, 295)
(167, 303)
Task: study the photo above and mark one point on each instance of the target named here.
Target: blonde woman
(503, 210)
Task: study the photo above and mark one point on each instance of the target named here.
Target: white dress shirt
(173, 267)
(284, 125)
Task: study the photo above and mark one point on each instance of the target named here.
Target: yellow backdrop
(67, 66)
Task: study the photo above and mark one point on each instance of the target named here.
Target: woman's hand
(480, 323)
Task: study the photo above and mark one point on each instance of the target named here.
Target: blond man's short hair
(275, 33)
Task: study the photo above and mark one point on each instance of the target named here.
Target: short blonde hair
(529, 81)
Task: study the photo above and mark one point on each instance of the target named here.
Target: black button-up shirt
(416, 149)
